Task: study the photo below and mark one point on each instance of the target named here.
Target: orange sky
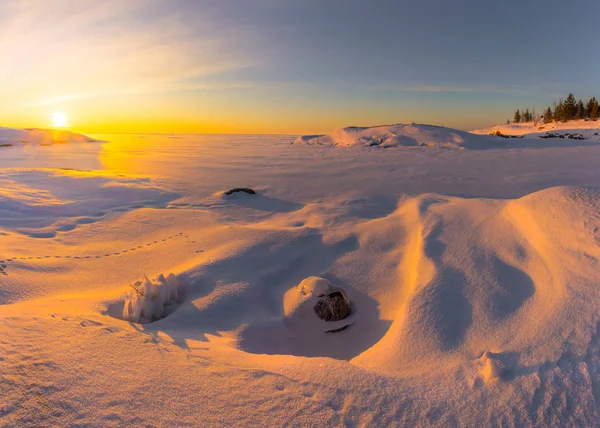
(275, 67)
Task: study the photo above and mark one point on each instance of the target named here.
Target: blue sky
(291, 66)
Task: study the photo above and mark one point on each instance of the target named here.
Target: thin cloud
(61, 52)
(491, 89)
(138, 90)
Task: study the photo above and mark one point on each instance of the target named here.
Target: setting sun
(59, 119)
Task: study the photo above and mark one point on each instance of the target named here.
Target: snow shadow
(515, 288)
(443, 305)
(263, 203)
(372, 207)
(496, 143)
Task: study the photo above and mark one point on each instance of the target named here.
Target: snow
(472, 276)
(151, 301)
(396, 136)
(590, 129)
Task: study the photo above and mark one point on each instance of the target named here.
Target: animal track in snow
(4, 262)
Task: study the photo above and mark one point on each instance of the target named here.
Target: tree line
(562, 111)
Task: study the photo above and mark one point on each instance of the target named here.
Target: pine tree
(548, 116)
(592, 108)
(579, 110)
(569, 108)
(594, 113)
(558, 110)
(589, 106)
(563, 111)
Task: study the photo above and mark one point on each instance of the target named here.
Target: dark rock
(332, 307)
(497, 133)
(240, 189)
(563, 136)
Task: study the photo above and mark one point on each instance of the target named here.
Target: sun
(59, 119)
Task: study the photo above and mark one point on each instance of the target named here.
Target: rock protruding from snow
(315, 305)
(241, 190)
(332, 307)
(396, 136)
(497, 133)
(152, 300)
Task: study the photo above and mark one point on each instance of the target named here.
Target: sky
(289, 66)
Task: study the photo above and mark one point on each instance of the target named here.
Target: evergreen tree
(517, 118)
(548, 116)
(558, 110)
(579, 110)
(594, 113)
(569, 108)
(563, 111)
(591, 105)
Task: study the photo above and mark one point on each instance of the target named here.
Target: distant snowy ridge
(396, 136)
(12, 136)
(589, 129)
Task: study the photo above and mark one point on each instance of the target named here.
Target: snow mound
(12, 136)
(481, 275)
(395, 136)
(152, 300)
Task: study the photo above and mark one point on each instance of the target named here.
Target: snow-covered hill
(588, 129)
(395, 136)
(12, 136)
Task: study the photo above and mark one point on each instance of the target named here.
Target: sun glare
(59, 119)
